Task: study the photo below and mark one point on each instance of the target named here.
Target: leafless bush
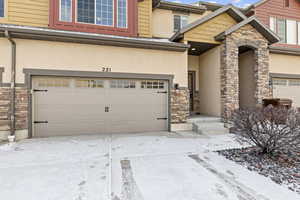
(270, 129)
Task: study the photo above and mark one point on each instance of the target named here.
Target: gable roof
(231, 10)
(262, 29)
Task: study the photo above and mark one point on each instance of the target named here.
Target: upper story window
(65, 10)
(179, 22)
(1, 8)
(287, 30)
(101, 16)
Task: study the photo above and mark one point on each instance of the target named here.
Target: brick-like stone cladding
(20, 112)
(249, 37)
(179, 105)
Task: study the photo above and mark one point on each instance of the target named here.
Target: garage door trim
(29, 73)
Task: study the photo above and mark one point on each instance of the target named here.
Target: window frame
(74, 25)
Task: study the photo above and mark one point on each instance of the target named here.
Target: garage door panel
(287, 88)
(86, 106)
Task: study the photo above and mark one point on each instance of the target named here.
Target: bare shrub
(271, 129)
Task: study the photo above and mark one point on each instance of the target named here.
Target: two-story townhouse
(106, 66)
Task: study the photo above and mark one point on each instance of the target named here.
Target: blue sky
(239, 3)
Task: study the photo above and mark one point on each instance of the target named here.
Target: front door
(191, 85)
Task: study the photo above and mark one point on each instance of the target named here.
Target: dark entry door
(191, 85)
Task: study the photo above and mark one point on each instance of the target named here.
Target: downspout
(12, 84)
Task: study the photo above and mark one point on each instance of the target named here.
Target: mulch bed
(283, 168)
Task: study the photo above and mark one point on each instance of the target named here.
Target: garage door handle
(106, 109)
(40, 122)
(36, 90)
(162, 118)
(162, 92)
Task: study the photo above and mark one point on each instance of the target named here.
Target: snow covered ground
(158, 166)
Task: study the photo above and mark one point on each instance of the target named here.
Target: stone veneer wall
(250, 37)
(179, 105)
(21, 110)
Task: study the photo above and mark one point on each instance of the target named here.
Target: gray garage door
(287, 88)
(74, 106)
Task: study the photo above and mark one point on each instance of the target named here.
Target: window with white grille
(152, 84)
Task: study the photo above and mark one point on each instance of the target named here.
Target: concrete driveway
(150, 166)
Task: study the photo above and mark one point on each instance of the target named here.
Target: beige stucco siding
(82, 57)
(285, 64)
(163, 24)
(209, 82)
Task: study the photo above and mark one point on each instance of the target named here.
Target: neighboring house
(283, 17)
(91, 66)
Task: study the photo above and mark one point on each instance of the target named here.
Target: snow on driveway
(158, 166)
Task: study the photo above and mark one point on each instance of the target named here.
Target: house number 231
(106, 69)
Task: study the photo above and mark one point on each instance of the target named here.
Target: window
(122, 13)
(282, 82)
(291, 31)
(287, 30)
(104, 12)
(54, 82)
(122, 84)
(89, 83)
(101, 12)
(294, 82)
(152, 85)
(65, 10)
(86, 11)
(281, 29)
(2, 8)
(115, 17)
(180, 21)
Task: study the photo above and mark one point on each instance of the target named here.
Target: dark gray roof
(262, 29)
(231, 10)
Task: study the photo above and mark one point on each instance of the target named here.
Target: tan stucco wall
(163, 24)
(193, 65)
(246, 80)
(82, 57)
(286, 64)
(209, 82)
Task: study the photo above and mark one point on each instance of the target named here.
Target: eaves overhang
(261, 28)
(231, 10)
(181, 7)
(27, 32)
(285, 50)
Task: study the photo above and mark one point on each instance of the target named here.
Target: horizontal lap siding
(144, 18)
(29, 12)
(206, 32)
